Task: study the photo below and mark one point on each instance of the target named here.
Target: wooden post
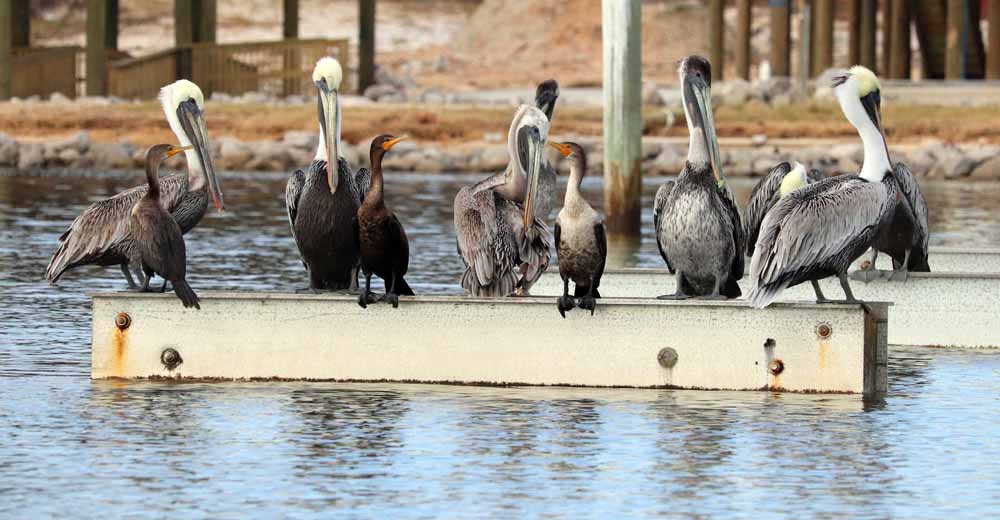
(366, 44)
(853, 32)
(781, 29)
(205, 16)
(621, 23)
(887, 22)
(290, 20)
(716, 37)
(806, 44)
(867, 30)
(111, 27)
(21, 20)
(6, 54)
(954, 68)
(823, 55)
(183, 27)
(97, 55)
(993, 52)
(743, 14)
(899, 55)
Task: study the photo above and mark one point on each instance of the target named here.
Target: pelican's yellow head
(328, 71)
(866, 80)
(793, 180)
(327, 76)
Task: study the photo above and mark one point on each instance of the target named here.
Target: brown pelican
(780, 181)
(504, 246)
(905, 239)
(381, 240)
(158, 243)
(818, 230)
(698, 225)
(581, 243)
(323, 202)
(545, 99)
(99, 236)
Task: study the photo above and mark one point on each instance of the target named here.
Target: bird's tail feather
(763, 295)
(731, 289)
(918, 262)
(402, 288)
(186, 294)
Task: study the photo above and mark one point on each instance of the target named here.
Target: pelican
(323, 202)
(698, 223)
(581, 242)
(99, 236)
(505, 247)
(158, 240)
(780, 181)
(380, 237)
(905, 239)
(545, 99)
(818, 230)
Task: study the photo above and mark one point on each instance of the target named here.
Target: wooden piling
(6, 52)
(993, 51)
(780, 13)
(743, 16)
(867, 29)
(97, 55)
(899, 56)
(290, 19)
(954, 66)
(822, 58)
(21, 21)
(366, 44)
(885, 52)
(853, 32)
(716, 38)
(621, 23)
(205, 18)
(111, 26)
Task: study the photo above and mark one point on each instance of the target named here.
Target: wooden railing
(43, 71)
(279, 68)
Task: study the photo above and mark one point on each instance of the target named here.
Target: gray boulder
(30, 156)
(8, 151)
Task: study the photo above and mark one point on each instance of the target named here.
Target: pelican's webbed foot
(565, 303)
(365, 298)
(867, 275)
(899, 275)
(676, 296)
(588, 303)
(391, 298)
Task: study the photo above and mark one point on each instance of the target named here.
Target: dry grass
(143, 124)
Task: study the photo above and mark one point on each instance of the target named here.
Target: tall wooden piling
(621, 23)
(954, 65)
(716, 38)
(290, 19)
(853, 32)
(6, 53)
(205, 20)
(781, 28)
(366, 44)
(867, 28)
(822, 58)
(885, 52)
(743, 15)
(899, 55)
(21, 23)
(97, 55)
(993, 50)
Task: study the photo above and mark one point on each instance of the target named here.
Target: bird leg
(163, 288)
(565, 302)
(715, 291)
(819, 293)
(871, 272)
(367, 296)
(128, 276)
(902, 272)
(678, 293)
(846, 286)
(588, 302)
(390, 295)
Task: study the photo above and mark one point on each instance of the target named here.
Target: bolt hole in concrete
(667, 357)
(170, 358)
(123, 321)
(824, 330)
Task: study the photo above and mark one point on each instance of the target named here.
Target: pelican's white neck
(876, 160)
(697, 147)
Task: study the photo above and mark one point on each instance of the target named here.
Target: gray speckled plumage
(817, 231)
(701, 231)
(580, 238)
(659, 206)
(763, 197)
(322, 224)
(100, 236)
(907, 233)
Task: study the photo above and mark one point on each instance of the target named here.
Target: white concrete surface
(939, 309)
(947, 260)
(719, 345)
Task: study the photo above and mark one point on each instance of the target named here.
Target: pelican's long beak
(329, 119)
(193, 122)
(696, 91)
(533, 148)
(873, 106)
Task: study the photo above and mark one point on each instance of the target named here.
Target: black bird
(379, 236)
(159, 244)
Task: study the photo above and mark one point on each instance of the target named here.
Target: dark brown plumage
(379, 236)
(159, 245)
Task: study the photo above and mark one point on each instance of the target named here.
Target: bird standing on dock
(818, 230)
(323, 202)
(380, 237)
(159, 242)
(546, 96)
(99, 236)
(581, 242)
(697, 220)
(780, 181)
(504, 246)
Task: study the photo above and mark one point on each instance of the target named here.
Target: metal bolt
(776, 366)
(824, 330)
(123, 320)
(171, 358)
(667, 357)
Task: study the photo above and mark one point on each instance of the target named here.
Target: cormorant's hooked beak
(873, 106)
(329, 120)
(564, 149)
(193, 122)
(530, 148)
(174, 150)
(698, 96)
(392, 142)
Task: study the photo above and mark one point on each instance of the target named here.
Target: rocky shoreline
(660, 156)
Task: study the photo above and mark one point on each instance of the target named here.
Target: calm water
(71, 446)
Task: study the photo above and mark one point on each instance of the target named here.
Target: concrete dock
(947, 260)
(938, 309)
(510, 341)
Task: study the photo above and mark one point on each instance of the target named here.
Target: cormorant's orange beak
(174, 150)
(563, 148)
(389, 144)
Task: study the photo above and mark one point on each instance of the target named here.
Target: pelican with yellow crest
(817, 231)
(779, 182)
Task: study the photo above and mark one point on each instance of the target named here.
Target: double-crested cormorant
(581, 243)
(505, 247)
(698, 224)
(780, 181)
(323, 202)
(818, 230)
(158, 241)
(99, 236)
(381, 240)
